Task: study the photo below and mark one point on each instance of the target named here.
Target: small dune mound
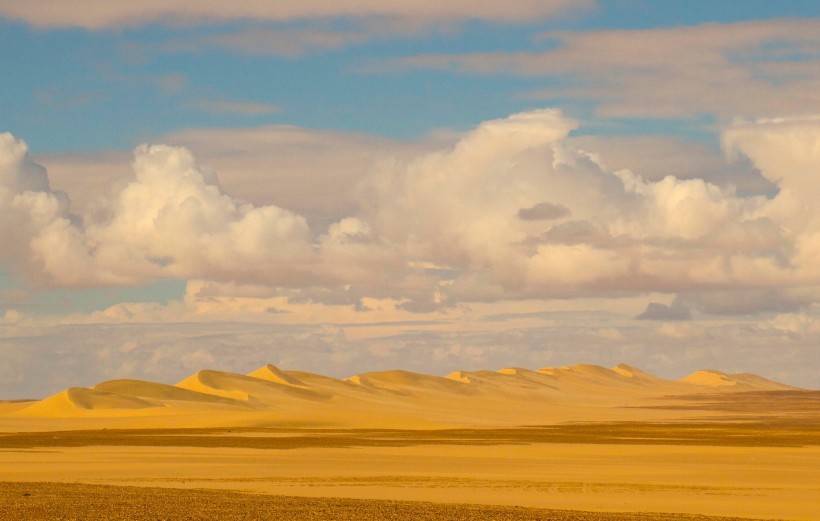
(709, 379)
(271, 373)
(739, 382)
(459, 376)
(582, 372)
(78, 400)
(357, 380)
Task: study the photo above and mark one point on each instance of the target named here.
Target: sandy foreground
(582, 442)
(749, 471)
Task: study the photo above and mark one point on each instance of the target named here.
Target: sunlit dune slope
(741, 382)
(77, 400)
(273, 374)
(396, 398)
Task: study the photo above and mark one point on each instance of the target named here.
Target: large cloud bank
(510, 211)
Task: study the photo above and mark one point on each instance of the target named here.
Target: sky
(341, 187)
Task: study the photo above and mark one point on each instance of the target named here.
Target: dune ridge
(508, 396)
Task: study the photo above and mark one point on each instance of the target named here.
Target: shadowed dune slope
(247, 388)
(408, 382)
(157, 391)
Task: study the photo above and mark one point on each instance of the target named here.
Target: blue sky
(69, 88)
(364, 166)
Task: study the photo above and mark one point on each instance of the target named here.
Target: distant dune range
(273, 397)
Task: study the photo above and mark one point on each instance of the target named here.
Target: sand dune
(256, 391)
(77, 401)
(331, 385)
(510, 383)
(508, 396)
(164, 393)
(408, 383)
(273, 374)
(741, 381)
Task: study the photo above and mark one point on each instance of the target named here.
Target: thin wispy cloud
(240, 108)
(100, 14)
(746, 68)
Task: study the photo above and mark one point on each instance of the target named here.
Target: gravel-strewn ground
(77, 502)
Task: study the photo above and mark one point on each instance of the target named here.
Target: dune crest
(213, 383)
(508, 396)
(272, 373)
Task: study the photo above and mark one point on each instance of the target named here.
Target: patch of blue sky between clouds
(646, 14)
(16, 295)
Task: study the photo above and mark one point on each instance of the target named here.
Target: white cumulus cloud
(171, 220)
(511, 210)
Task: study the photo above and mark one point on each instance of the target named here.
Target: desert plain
(579, 442)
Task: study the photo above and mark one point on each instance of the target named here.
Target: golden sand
(272, 397)
(590, 440)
